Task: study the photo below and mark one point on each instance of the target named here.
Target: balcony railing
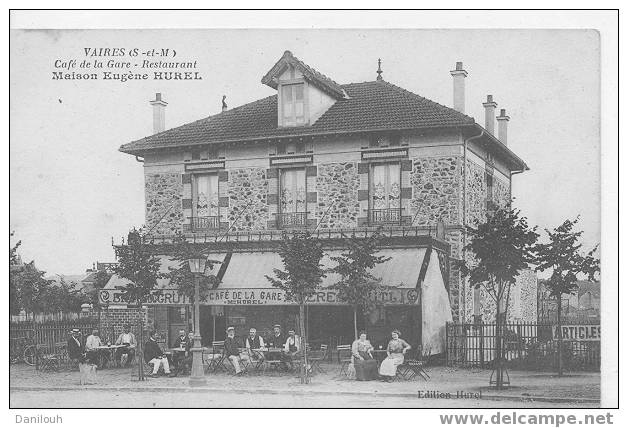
(205, 223)
(385, 216)
(289, 220)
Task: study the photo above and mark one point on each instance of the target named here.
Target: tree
(61, 296)
(357, 286)
(501, 248)
(182, 277)
(301, 255)
(15, 267)
(138, 264)
(562, 256)
(30, 286)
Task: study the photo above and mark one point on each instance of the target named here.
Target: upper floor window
(292, 104)
(205, 202)
(293, 190)
(385, 193)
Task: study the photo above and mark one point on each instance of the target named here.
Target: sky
(71, 190)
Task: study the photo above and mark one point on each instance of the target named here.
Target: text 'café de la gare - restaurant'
(339, 160)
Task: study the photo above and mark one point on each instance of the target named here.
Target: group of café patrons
(287, 349)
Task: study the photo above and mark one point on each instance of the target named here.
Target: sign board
(585, 332)
(257, 297)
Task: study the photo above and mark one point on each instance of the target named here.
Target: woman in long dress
(396, 350)
(364, 366)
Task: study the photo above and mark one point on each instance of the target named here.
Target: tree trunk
(304, 371)
(355, 322)
(140, 347)
(499, 371)
(560, 336)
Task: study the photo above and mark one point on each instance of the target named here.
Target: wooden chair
(215, 360)
(51, 359)
(316, 358)
(344, 358)
(256, 360)
(413, 365)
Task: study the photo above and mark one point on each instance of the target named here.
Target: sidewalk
(581, 387)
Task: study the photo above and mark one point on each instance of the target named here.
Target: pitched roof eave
(518, 163)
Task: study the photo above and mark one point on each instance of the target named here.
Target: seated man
(276, 339)
(126, 354)
(292, 347)
(254, 343)
(92, 343)
(75, 347)
(182, 359)
(155, 356)
(232, 352)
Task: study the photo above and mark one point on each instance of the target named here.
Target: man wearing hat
(75, 347)
(276, 339)
(232, 351)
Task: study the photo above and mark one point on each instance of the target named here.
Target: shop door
(177, 320)
(213, 324)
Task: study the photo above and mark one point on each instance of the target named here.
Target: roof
(371, 106)
(310, 74)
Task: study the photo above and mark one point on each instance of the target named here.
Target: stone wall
(163, 193)
(337, 184)
(476, 193)
(501, 192)
(248, 185)
(437, 185)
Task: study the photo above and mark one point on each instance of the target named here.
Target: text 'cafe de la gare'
(338, 160)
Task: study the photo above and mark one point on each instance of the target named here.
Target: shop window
(385, 194)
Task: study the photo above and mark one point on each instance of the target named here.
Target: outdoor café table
(379, 355)
(273, 356)
(103, 349)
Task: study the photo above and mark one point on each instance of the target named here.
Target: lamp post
(197, 377)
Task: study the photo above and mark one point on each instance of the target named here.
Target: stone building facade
(351, 150)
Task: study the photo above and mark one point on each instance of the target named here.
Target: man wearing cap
(126, 353)
(276, 339)
(75, 347)
(232, 351)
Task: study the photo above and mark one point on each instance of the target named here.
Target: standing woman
(396, 350)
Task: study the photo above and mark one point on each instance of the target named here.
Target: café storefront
(415, 300)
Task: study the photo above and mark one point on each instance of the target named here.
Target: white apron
(389, 365)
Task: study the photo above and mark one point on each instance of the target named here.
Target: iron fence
(526, 345)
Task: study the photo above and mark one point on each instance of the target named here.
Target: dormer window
(292, 104)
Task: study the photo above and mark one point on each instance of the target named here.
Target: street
(149, 399)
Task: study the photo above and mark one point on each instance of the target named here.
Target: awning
(164, 267)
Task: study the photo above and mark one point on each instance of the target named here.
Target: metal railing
(525, 345)
(289, 220)
(385, 216)
(205, 223)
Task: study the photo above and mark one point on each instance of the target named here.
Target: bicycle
(22, 350)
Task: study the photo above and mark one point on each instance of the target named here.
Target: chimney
(489, 114)
(159, 113)
(502, 126)
(224, 103)
(459, 74)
